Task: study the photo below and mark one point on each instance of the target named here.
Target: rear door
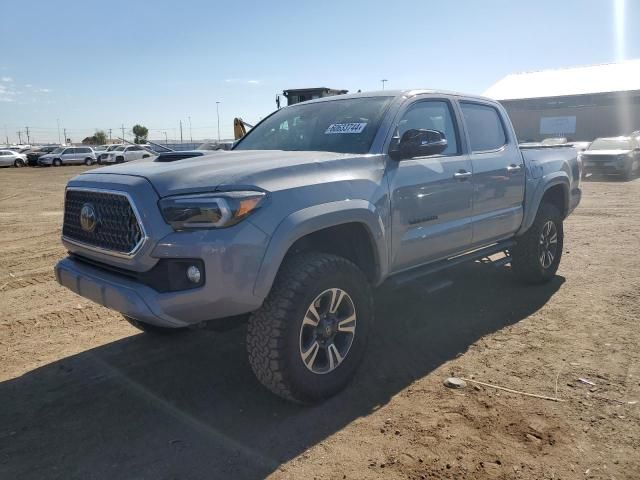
(498, 172)
(430, 196)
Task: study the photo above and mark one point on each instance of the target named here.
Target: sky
(87, 65)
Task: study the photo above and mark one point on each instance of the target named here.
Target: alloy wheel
(327, 331)
(548, 244)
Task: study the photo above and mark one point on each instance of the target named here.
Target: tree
(141, 132)
(90, 140)
(101, 137)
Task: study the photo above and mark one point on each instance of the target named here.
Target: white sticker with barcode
(345, 128)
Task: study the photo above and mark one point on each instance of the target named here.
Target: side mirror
(419, 143)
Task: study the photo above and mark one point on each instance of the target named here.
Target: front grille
(116, 225)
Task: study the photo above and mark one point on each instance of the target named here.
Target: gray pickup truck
(318, 204)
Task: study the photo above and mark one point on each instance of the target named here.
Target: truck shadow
(188, 406)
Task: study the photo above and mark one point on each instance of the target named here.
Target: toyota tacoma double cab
(318, 204)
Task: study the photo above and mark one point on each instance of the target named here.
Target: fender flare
(538, 188)
(312, 219)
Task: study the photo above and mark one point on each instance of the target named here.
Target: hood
(607, 153)
(267, 169)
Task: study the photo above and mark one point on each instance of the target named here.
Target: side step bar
(430, 269)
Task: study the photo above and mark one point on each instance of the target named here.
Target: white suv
(125, 153)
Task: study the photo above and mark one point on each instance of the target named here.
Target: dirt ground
(85, 396)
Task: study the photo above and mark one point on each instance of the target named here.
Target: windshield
(344, 126)
(611, 144)
(112, 148)
(58, 150)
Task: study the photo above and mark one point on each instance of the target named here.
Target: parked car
(9, 158)
(316, 205)
(125, 153)
(613, 155)
(35, 153)
(68, 156)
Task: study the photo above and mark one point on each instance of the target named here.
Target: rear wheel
(88, 161)
(56, 162)
(153, 329)
(536, 256)
(308, 338)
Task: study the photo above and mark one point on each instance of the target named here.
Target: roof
(390, 93)
(610, 77)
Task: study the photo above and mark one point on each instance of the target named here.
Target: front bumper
(228, 290)
(608, 167)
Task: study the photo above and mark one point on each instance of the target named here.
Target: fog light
(193, 274)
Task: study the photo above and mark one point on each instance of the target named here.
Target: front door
(430, 196)
(498, 173)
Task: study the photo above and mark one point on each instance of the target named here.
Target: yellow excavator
(240, 128)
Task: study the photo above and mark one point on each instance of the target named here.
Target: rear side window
(486, 131)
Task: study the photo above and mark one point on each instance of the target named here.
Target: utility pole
(180, 131)
(28, 138)
(123, 131)
(58, 121)
(166, 141)
(190, 133)
(65, 135)
(384, 80)
(109, 135)
(19, 137)
(6, 135)
(218, 115)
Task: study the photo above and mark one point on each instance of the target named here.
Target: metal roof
(610, 77)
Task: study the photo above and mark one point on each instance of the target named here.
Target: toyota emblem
(88, 218)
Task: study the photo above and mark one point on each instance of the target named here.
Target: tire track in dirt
(27, 281)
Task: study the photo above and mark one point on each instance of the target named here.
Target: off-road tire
(525, 256)
(273, 334)
(56, 162)
(152, 329)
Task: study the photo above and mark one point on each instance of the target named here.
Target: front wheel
(57, 162)
(18, 163)
(308, 338)
(537, 254)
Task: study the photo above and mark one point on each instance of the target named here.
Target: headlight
(209, 210)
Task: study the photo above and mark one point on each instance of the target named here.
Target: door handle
(514, 168)
(462, 175)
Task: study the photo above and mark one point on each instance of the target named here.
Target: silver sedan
(10, 158)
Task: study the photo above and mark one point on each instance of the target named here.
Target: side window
(432, 115)
(486, 131)
(69, 151)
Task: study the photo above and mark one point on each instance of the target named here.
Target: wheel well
(349, 240)
(556, 196)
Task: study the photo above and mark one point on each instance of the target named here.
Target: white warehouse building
(580, 103)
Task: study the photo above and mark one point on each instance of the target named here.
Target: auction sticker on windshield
(345, 128)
